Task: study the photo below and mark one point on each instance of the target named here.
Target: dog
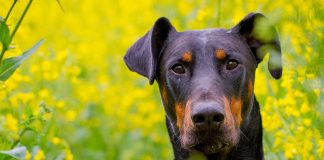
(206, 81)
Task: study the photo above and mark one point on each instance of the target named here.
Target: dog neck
(249, 146)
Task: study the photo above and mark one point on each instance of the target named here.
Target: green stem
(2, 53)
(20, 135)
(20, 20)
(59, 3)
(16, 27)
(12, 6)
(219, 3)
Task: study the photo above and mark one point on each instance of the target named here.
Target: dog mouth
(211, 148)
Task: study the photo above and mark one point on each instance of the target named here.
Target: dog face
(206, 77)
(206, 83)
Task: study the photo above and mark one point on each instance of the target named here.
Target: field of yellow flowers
(75, 99)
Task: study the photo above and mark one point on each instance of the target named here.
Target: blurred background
(75, 98)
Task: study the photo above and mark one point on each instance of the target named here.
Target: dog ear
(143, 56)
(262, 38)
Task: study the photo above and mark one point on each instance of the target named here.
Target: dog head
(206, 77)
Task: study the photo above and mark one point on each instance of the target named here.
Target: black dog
(206, 80)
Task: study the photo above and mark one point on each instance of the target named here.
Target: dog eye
(178, 68)
(231, 64)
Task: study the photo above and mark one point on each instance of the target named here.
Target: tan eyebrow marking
(187, 56)
(220, 54)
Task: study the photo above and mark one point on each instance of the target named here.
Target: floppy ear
(262, 38)
(143, 56)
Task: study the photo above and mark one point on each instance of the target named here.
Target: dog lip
(210, 148)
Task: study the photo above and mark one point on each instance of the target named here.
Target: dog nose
(207, 115)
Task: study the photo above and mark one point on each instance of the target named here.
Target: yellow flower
(62, 55)
(60, 104)
(317, 92)
(56, 140)
(38, 126)
(28, 155)
(68, 154)
(239, 14)
(33, 69)
(11, 123)
(46, 65)
(307, 122)
(14, 101)
(40, 155)
(146, 157)
(320, 148)
(201, 14)
(47, 116)
(70, 115)
(25, 97)
(44, 93)
(290, 150)
(10, 85)
(50, 76)
(184, 7)
(305, 108)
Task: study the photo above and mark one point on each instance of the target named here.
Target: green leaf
(18, 153)
(9, 65)
(4, 35)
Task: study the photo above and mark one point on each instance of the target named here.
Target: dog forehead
(200, 40)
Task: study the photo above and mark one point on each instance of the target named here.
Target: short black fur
(206, 82)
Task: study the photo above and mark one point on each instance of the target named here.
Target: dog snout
(207, 115)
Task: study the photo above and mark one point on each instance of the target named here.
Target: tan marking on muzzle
(228, 114)
(187, 56)
(180, 112)
(187, 117)
(164, 94)
(250, 89)
(236, 108)
(183, 112)
(220, 54)
(230, 119)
